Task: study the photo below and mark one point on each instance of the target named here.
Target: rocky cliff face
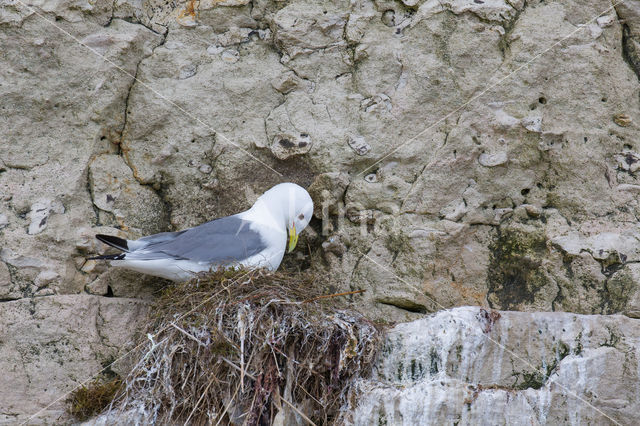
(459, 152)
(462, 366)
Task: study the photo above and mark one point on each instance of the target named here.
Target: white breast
(273, 235)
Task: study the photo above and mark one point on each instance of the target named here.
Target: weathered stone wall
(460, 152)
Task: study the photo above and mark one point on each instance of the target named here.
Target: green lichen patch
(613, 339)
(536, 379)
(619, 289)
(398, 242)
(515, 275)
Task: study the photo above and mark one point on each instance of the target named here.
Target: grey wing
(227, 239)
(162, 237)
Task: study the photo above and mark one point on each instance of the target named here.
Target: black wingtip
(117, 242)
(108, 257)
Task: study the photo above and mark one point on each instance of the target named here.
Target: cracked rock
(116, 191)
(286, 82)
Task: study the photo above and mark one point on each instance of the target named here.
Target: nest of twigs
(240, 347)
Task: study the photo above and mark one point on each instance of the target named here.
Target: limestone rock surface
(52, 344)
(460, 152)
(471, 366)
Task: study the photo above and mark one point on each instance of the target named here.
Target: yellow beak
(293, 238)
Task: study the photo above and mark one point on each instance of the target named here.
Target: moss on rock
(514, 274)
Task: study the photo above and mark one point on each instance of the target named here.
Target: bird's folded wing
(162, 237)
(226, 239)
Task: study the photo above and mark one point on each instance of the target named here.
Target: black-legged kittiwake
(254, 238)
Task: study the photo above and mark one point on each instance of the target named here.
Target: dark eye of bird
(301, 217)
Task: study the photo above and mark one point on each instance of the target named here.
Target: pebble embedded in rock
(389, 18)
(215, 50)
(550, 141)
(230, 55)
(188, 71)
(377, 103)
(605, 21)
(500, 214)
(622, 120)
(628, 161)
(4, 220)
(371, 178)
(39, 214)
(532, 211)
(358, 144)
(533, 124)
(492, 160)
(205, 168)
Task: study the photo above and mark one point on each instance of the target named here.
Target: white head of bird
(290, 207)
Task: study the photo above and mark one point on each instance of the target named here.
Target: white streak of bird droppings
(450, 367)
